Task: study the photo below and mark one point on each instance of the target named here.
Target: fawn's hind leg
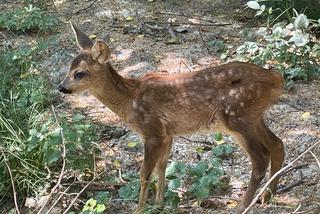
(277, 153)
(250, 140)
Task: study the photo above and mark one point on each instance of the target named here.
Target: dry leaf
(306, 115)
(220, 142)
(30, 202)
(129, 18)
(232, 204)
(93, 36)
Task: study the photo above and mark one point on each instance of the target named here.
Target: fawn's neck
(114, 91)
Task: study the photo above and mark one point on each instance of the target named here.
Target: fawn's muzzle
(64, 90)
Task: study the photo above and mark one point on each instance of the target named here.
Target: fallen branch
(63, 155)
(188, 23)
(277, 174)
(184, 15)
(287, 188)
(95, 186)
(11, 179)
(204, 42)
(58, 199)
(208, 143)
(83, 9)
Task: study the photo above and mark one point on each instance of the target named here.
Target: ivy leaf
(301, 22)
(53, 156)
(222, 150)
(102, 197)
(204, 187)
(174, 184)
(78, 117)
(253, 5)
(100, 208)
(172, 198)
(171, 169)
(130, 190)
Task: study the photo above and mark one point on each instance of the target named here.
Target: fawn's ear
(100, 52)
(83, 41)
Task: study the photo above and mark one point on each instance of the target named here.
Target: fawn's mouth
(64, 90)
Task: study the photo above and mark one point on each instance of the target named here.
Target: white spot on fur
(134, 104)
(232, 113)
(223, 98)
(222, 75)
(141, 108)
(242, 104)
(232, 92)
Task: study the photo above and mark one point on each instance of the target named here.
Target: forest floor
(137, 34)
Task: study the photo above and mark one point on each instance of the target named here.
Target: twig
(120, 176)
(58, 199)
(188, 67)
(170, 31)
(189, 23)
(153, 27)
(63, 155)
(204, 42)
(287, 188)
(208, 143)
(12, 182)
(83, 9)
(3, 35)
(315, 157)
(277, 174)
(293, 168)
(298, 208)
(95, 186)
(184, 15)
(309, 211)
(81, 191)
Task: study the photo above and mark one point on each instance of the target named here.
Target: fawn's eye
(79, 75)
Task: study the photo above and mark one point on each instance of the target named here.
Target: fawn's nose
(62, 89)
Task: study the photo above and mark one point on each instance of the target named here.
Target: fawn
(231, 98)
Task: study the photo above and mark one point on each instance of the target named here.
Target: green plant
(21, 101)
(277, 10)
(27, 19)
(30, 137)
(184, 180)
(97, 204)
(289, 49)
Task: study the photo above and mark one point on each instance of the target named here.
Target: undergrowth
(29, 18)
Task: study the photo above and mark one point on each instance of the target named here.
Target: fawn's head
(88, 68)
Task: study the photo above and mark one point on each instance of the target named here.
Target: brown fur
(231, 98)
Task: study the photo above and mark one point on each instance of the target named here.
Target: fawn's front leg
(156, 152)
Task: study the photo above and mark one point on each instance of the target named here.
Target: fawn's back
(202, 100)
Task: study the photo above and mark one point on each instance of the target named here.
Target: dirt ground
(137, 33)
